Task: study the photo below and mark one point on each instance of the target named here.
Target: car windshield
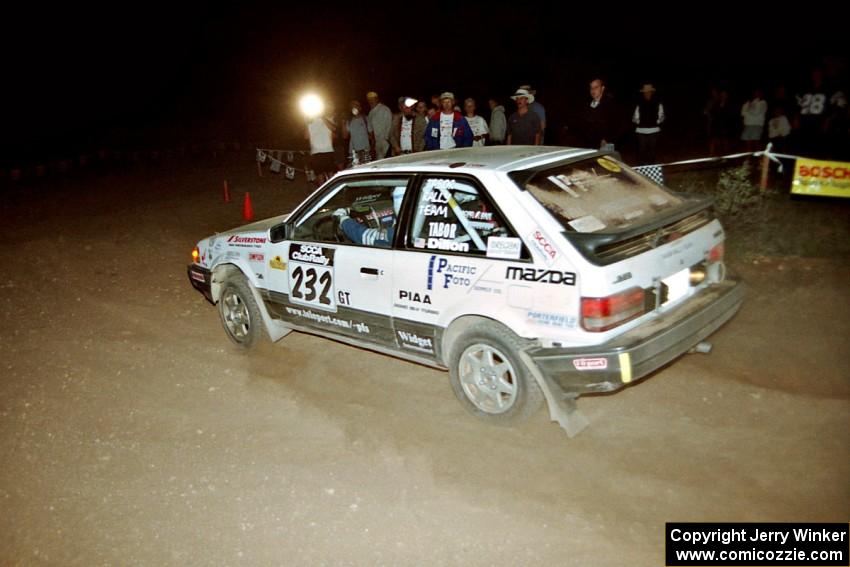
(600, 194)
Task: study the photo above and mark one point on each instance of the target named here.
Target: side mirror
(280, 232)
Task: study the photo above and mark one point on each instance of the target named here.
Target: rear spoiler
(603, 248)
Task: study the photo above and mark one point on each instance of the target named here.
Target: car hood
(259, 226)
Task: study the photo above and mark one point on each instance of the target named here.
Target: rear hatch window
(608, 210)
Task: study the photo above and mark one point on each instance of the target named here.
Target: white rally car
(531, 273)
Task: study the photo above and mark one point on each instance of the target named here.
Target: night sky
(136, 75)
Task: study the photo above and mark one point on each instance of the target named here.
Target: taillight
(716, 253)
(603, 313)
(195, 254)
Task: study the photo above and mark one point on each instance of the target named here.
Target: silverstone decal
(552, 319)
(541, 245)
(277, 263)
(412, 341)
(504, 247)
(443, 273)
(590, 363)
(311, 276)
(236, 240)
(255, 257)
(541, 275)
(323, 318)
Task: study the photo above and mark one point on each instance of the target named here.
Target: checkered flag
(653, 172)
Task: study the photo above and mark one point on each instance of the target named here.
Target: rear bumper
(644, 349)
(201, 279)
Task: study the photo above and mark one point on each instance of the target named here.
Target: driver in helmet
(381, 237)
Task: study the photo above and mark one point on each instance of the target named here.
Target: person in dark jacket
(602, 122)
(648, 116)
(448, 128)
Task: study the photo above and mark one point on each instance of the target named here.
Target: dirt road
(131, 433)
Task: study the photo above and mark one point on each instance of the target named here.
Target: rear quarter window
(600, 194)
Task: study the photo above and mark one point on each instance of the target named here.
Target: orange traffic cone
(226, 192)
(247, 209)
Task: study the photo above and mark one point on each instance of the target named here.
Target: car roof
(500, 158)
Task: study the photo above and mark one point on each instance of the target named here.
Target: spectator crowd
(815, 122)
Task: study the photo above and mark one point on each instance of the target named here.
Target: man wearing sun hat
(380, 121)
(648, 116)
(524, 127)
(448, 128)
(537, 108)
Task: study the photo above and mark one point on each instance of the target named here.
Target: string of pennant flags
(278, 160)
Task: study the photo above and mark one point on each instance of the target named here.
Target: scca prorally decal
(449, 273)
(311, 254)
(543, 247)
(413, 341)
(541, 275)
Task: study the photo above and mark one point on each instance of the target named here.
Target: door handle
(369, 272)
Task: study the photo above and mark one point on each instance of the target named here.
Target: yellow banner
(824, 178)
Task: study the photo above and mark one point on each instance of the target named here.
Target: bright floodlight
(311, 105)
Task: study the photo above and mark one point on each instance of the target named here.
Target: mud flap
(564, 411)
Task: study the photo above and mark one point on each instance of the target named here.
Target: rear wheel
(489, 378)
(239, 313)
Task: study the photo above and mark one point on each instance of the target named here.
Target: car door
(451, 261)
(334, 272)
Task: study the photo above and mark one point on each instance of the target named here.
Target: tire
(488, 376)
(240, 315)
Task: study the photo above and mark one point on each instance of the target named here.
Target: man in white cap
(448, 128)
(380, 122)
(524, 127)
(537, 109)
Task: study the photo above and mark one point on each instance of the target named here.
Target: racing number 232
(304, 285)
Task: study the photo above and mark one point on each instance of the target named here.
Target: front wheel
(239, 313)
(489, 378)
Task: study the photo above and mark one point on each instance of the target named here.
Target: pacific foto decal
(541, 275)
(449, 273)
(824, 178)
(590, 363)
(541, 245)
